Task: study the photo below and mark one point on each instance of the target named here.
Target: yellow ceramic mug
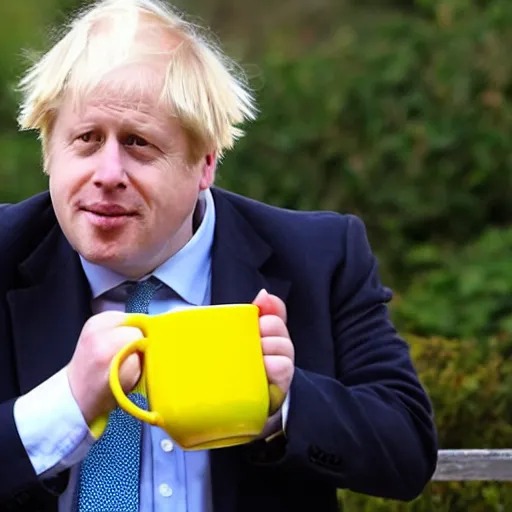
(203, 373)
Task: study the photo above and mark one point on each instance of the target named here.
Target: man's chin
(111, 258)
(121, 262)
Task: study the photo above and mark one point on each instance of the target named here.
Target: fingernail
(261, 293)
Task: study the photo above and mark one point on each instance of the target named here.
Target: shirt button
(166, 445)
(165, 490)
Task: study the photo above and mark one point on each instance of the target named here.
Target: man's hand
(102, 337)
(278, 350)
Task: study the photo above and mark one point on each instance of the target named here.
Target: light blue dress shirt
(54, 431)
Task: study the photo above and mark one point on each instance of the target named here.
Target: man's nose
(110, 172)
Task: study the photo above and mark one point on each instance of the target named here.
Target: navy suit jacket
(358, 417)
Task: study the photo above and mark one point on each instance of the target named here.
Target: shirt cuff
(276, 424)
(284, 411)
(51, 426)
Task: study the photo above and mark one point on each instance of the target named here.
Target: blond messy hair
(202, 87)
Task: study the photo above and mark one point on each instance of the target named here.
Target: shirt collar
(187, 272)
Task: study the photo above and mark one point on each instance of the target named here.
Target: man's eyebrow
(146, 129)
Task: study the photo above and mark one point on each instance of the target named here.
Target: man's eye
(90, 137)
(135, 140)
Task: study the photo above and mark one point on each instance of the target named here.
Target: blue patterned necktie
(109, 476)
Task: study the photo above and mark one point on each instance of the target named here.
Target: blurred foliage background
(399, 111)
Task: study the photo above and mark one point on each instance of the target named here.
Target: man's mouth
(108, 210)
(107, 216)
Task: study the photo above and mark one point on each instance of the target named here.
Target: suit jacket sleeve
(370, 429)
(16, 471)
(20, 488)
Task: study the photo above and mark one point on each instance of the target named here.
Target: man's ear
(208, 168)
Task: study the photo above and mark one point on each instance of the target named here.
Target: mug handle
(99, 424)
(151, 417)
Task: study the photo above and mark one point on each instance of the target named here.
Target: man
(134, 109)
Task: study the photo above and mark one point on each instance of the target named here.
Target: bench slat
(466, 465)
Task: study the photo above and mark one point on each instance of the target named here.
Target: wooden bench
(466, 465)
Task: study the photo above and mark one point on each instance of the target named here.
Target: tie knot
(140, 295)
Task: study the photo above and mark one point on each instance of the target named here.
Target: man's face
(121, 183)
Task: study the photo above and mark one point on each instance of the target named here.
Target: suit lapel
(49, 312)
(239, 258)
(238, 261)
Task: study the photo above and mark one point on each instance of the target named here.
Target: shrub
(471, 390)
(404, 120)
(465, 293)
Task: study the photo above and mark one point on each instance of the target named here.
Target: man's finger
(277, 346)
(271, 325)
(279, 371)
(106, 320)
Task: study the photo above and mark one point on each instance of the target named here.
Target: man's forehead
(103, 100)
(136, 88)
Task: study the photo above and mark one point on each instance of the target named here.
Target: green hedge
(471, 389)
(465, 293)
(403, 120)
